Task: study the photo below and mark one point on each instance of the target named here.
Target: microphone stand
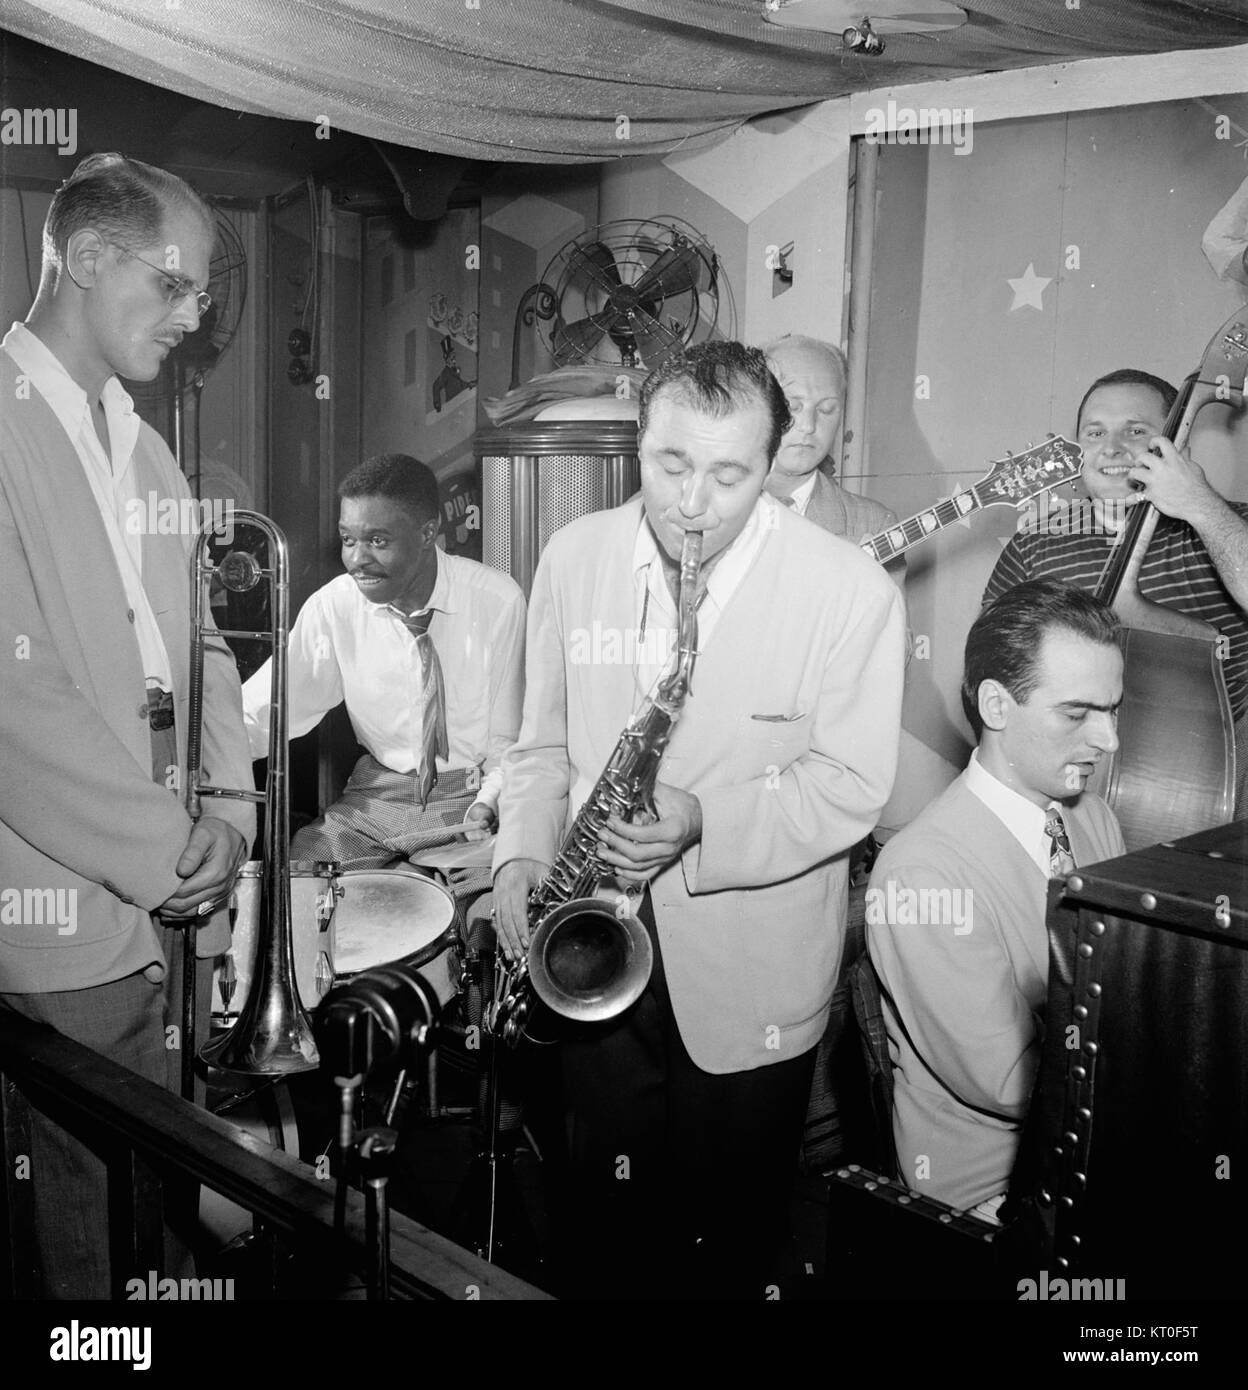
(389, 1012)
(376, 1148)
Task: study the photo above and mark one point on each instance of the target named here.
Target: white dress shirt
(112, 479)
(344, 647)
(656, 610)
(801, 495)
(1022, 818)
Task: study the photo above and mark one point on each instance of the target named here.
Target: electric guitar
(1013, 481)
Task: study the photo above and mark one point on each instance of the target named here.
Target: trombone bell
(272, 1035)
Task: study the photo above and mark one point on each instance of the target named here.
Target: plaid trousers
(378, 819)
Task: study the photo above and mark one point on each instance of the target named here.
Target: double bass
(1174, 770)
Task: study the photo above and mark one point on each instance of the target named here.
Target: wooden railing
(155, 1135)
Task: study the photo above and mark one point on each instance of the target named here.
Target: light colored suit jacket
(971, 989)
(789, 741)
(79, 811)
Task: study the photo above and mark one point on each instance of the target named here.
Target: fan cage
(636, 243)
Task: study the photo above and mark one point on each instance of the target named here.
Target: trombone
(273, 1033)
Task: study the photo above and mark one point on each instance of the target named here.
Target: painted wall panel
(1099, 217)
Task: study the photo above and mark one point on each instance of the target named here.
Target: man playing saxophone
(685, 1111)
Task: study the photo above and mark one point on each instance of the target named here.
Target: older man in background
(811, 374)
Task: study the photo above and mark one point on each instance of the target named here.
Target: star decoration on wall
(1028, 288)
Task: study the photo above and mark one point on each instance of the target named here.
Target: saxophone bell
(588, 961)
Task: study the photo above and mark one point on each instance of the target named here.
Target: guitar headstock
(1225, 363)
(1018, 477)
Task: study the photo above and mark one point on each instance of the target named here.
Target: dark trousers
(679, 1180)
(124, 1020)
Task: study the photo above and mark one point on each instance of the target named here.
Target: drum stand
(490, 1210)
(493, 1105)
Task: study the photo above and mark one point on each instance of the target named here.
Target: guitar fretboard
(918, 527)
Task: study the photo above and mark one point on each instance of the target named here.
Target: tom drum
(386, 915)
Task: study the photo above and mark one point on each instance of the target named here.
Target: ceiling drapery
(564, 80)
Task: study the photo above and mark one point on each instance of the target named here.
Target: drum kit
(301, 930)
(343, 923)
(298, 929)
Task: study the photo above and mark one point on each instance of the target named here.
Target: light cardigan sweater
(971, 990)
(79, 811)
(788, 739)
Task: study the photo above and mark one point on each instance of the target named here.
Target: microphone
(381, 1015)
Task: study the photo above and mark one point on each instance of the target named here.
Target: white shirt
(112, 480)
(1022, 818)
(801, 495)
(344, 647)
(656, 612)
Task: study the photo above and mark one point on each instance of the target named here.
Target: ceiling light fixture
(865, 35)
(861, 38)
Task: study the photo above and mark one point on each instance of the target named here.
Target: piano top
(1198, 883)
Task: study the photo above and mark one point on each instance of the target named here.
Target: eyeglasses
(176, 287)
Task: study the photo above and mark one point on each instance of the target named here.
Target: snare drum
(388, 915)
(311, 917)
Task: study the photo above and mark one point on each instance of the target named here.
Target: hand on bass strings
(209, 864)
(1171, 481)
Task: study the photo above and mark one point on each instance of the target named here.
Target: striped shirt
(1177, 573)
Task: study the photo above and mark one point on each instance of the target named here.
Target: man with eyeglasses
(175, 288)
(95, 633)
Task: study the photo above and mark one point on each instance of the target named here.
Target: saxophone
(588, 960)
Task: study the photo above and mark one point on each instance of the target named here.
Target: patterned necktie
(1061, 860)
(432, 699)
(787, 502)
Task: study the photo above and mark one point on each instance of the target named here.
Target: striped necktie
(432, 699)
(1061, 860)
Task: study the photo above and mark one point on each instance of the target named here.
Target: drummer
(427, 650)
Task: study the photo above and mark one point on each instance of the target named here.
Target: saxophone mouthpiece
(690, 559)
(690, 564)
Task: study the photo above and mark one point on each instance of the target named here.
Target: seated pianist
(427, 650)
(956, 906)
